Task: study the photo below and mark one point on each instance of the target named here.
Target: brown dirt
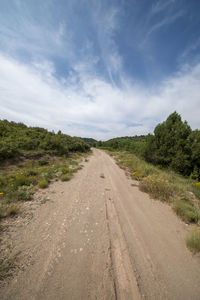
(99, 237)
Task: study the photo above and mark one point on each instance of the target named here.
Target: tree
(194, 142)
(170, 145)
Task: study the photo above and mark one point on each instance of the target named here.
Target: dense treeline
(17, 139)
(130, 143)
(90, 141)
(173, 145)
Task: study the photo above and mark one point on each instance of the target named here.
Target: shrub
(65, 170)
(47, 175)
(43, 162)
(31, 172)
(196, 192)
(193, 240)
(2, 180)
(43, 184)
(32, 180)
(186, 210)
(73, 162)
(24, 193)
(8, 210)
(12, 210)
(157, 187)
(21, 180)
(74, 170)
(137, 175)
(197, 185)
(65, 177)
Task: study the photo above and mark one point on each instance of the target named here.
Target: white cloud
(91, 106)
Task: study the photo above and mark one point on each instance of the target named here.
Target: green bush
(21, 180)
(47, 175)
(43, 184)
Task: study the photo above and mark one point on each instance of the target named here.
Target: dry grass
(157, 187)
(6, 266)
(186, 210)
(66, 177)
(193, 240)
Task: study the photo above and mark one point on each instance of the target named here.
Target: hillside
(90, 141)
(17, 139)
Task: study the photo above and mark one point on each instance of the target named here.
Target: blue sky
(99, 68)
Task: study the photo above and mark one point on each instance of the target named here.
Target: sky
(99, 68)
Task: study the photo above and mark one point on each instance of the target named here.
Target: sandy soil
(99, 237)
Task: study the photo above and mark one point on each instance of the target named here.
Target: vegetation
(18, 140)
(167, 166)
(43, 184)
(182, 193)
(193, 240)
(91, 142)
(163, 185)
(134, 144)
(19, 182)
(30, 158)
(176, 146)
(66, 177)
(6, 266)
(172, 146)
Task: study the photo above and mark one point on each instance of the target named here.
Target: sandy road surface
(101, 238)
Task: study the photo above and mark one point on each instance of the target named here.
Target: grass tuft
(24, 193)
(157, 187)
(186, 210)
(66, 177)
(6, 265)
(8, 210)
(193, 240)
(43, 184)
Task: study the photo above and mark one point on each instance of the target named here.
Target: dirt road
(99, 237)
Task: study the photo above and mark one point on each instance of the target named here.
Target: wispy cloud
(189, 50)
(34, 96)
(106, 23)
(165, 21)
(161, 5)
